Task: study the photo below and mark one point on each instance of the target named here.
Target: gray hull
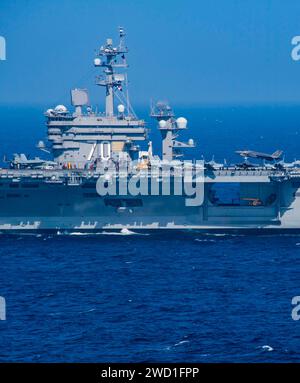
(30, 204)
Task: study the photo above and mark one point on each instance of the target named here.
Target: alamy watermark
(296, 310)
(295, 53)
(2, 309)
(2, 48)
(168, 178)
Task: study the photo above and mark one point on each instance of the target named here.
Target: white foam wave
(181, 342)
(266, 347)
(123, 231)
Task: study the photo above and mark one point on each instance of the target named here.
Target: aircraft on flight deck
(263, 156)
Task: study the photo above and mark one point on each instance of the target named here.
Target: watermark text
(2, 48)
(2, 309)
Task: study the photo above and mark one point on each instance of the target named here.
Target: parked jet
(283, 165)
(213, 165)
(263, 156)
(246, 165)
(21, 161)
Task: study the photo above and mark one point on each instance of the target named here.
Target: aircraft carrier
(94, 153)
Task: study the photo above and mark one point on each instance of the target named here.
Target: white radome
(121, 108)
(97, 62)
(162, 123)
(61, 109)
(41, 145)
(181, 122)
(49, 112)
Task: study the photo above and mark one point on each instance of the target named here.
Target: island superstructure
(62, 194)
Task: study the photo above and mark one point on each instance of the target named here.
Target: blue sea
(162, 297)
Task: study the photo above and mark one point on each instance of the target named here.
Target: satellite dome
(61, 109)
(121, 108)
(41, 145)
(181, 122)
(49, 112)
(162, 124)
(97, 62)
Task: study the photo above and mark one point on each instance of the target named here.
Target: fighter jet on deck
(263, 156)
(21, 161)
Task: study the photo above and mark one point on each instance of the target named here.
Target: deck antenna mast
(169, 127)
(112, 58)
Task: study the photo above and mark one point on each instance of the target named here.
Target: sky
(189, 52)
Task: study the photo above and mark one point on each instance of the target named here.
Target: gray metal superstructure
(62, 195)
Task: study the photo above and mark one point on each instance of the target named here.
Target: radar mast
(169, 127)
(112, 58)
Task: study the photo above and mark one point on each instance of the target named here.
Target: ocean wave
(123, 231)
(181, 342)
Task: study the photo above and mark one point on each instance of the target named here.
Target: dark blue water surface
(158, 297)
(162, 297)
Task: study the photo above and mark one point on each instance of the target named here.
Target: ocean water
(163, 297)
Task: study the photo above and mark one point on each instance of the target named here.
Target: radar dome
(162, 124)
(181, 122)
(49, 112)
(41, 145)
(60, 109)
(121, 108)
(97, 62)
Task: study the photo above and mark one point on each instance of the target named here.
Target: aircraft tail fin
(277, 154)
